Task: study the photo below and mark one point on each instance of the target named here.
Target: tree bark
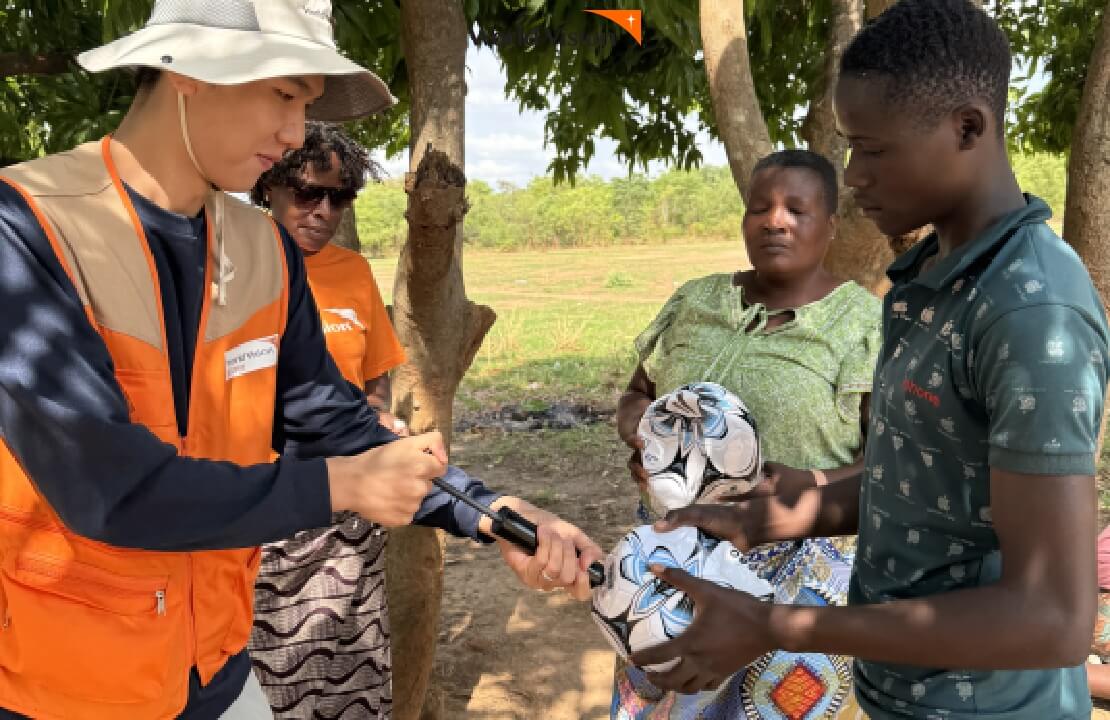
(875, 8)
(440, 328)
(740, 121)
(1087, 216)
(860, 252)
(346, 235)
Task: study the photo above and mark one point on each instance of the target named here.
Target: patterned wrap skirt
(320, 642)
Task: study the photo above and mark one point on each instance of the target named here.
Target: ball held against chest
(700, 443)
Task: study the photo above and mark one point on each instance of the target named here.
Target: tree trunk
(1087, 217)
(346, 235)
(875, 8)
(740, 120)
(440, 328)
(860, 252)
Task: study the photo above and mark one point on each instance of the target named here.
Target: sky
(504, 143)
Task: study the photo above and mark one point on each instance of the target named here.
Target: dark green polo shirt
(996, 356)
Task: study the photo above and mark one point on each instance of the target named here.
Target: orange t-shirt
(357, 330)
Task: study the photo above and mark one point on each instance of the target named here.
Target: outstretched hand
(728, 632)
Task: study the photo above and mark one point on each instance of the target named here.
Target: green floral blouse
(803, 380)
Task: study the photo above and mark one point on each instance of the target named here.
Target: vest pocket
(88, 633)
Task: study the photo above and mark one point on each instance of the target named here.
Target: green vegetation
(695, 204)
(617, 279)
(678, 205)
(1046, 176)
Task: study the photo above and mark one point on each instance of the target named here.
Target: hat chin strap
(225, 271)
(185, 137)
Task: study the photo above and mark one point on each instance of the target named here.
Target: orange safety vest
(92, 631)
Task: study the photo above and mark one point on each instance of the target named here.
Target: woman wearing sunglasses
(308, 191)
(320, 642)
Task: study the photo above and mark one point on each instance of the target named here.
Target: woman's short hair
(807, 160)
(320, 141)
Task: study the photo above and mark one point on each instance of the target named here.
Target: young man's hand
(729, 631)
(721, 520)
(563, 555)
(388, 483)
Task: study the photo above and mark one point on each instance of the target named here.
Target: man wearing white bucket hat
(159, 341)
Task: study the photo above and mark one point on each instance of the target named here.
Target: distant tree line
(677, 205)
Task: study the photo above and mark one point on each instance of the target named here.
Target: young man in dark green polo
(973, 593)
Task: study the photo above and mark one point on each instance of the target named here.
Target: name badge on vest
(251, 356)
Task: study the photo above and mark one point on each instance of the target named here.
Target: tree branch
(14, 63)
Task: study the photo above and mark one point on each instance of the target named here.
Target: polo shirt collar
(905, 267)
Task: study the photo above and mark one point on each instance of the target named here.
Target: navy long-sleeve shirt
(65, 418)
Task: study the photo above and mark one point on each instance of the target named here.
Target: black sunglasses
(311, 195)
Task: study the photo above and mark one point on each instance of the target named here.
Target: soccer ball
(700, 443)
(637, 610)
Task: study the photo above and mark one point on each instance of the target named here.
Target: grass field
(566, 318)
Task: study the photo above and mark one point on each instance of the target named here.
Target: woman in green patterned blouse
(798, 346)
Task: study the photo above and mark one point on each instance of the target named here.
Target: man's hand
(556, 563)
(724, 521)
(388, 483)
(729, 631)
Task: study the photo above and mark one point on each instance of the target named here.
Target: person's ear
(187, 86)
(971, 124)
(834, 226)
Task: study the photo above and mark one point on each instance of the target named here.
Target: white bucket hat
(229, 42)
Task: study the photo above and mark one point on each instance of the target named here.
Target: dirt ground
(508, 653)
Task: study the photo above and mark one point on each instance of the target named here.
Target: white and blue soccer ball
(637, 610)
(700, 444)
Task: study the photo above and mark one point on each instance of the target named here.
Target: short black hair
(806, 160)
(937, 54)
(320, 141)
